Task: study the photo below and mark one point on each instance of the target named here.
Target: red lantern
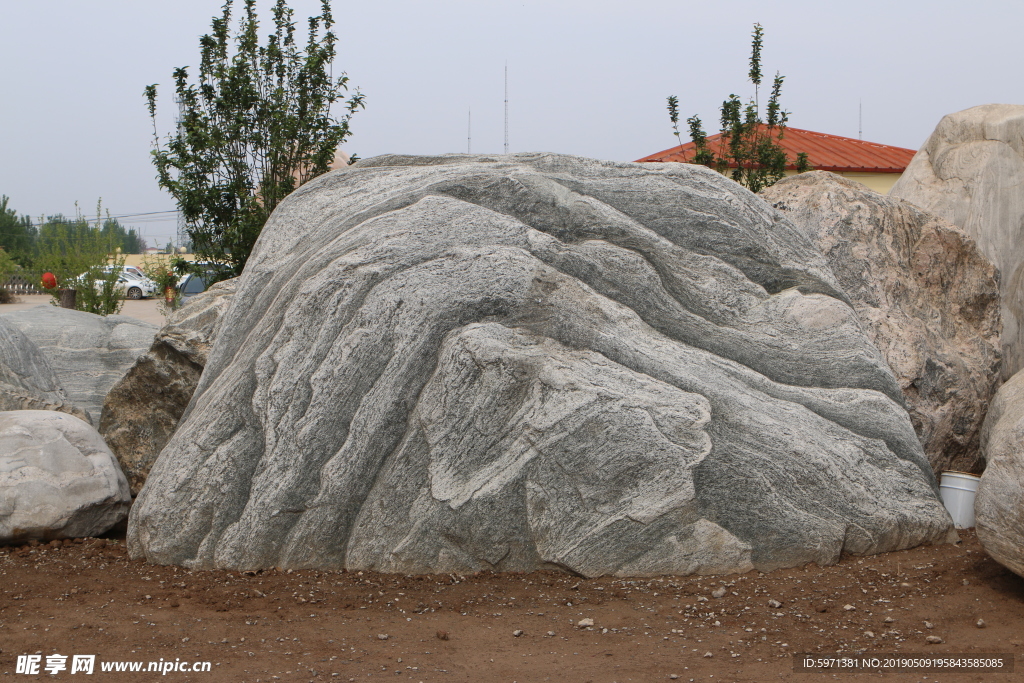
(49, 281)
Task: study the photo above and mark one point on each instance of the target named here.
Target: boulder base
(999, 505)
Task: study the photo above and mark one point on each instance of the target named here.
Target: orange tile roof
(825, 152)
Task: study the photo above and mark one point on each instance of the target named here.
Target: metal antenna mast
(506, 107)
(469, 132)
(182, 237)
(860, 119)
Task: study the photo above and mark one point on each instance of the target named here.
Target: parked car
(192, 283)
(129, 283)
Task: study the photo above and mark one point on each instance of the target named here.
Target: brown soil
(89, 598)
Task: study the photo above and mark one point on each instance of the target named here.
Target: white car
(132, 283)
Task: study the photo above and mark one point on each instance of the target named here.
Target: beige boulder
(971, 172)
(999, 505)
(142, 410)
(926, 296)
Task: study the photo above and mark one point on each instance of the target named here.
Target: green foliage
(257, 125)
(17, 234)
(76, 253)
(749, 144)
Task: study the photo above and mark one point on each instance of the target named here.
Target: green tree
(78, 254)
(17, 234)
(257, 125)
(749, 142)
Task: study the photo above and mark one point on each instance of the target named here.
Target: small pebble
(584, 623)
(934, 640)
(869, 634)
(929, 624)
(718, 592)
(551, 633)
(980, 623)
(774, 604)
(442, 635)
(889, 620)
(382, 636)
(849, 608)
(708, 655)
(673, 676)
(518, 632)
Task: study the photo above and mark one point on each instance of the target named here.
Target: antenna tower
(860, 119)
(506, 107)
(182, 237)
(469, 132)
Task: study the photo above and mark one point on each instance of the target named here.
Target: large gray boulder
(999, 505)
(928, 299)
(27, 382)
(88, 352)
(970, 171)
(537, 361)
(57, 478)
(143, 408)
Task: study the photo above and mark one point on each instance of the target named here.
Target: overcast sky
(587, 77)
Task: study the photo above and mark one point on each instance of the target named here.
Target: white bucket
(958, 490)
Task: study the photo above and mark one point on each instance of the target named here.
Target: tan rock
(142, 410)
(925, 294)
(970, 172)
(999, 505)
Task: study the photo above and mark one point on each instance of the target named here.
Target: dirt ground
(141, 309)
(87, 597)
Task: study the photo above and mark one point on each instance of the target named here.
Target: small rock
(934, 640)
(673, 676)
(708, 655)
(889, 620)
(552, 633)
(775, 604)
(584, 623)
(718, 592)
(966, 582)
(904, 585)
(442, 635)
(717, 623)
(821, 608)
(518, 632)
(849, 608)
(980, 623)
(929, 624)
(382, 636)
(869, 634)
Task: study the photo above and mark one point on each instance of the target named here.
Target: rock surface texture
(537, 361)
(971, 172)
(57, 478)
(27, 382)
(999, 504)
(88, 353)
(143, 408)
(927, 297)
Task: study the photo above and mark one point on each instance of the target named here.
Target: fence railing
(24, 282)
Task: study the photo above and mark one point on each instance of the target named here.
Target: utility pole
(506, 107)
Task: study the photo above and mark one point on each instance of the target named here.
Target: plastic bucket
(958, 490)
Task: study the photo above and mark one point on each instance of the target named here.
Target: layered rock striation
(928, 299)
(537, 361)
(88, 353)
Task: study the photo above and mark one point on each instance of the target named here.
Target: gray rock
(970, 171)
(88, 352)
(57, 478)
(143, 408)
(999, 504)
(536, 361)
(926, 296)
(27, 382)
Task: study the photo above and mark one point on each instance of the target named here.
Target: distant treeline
(25, 240)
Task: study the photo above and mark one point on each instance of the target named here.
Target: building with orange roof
(875, 165)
